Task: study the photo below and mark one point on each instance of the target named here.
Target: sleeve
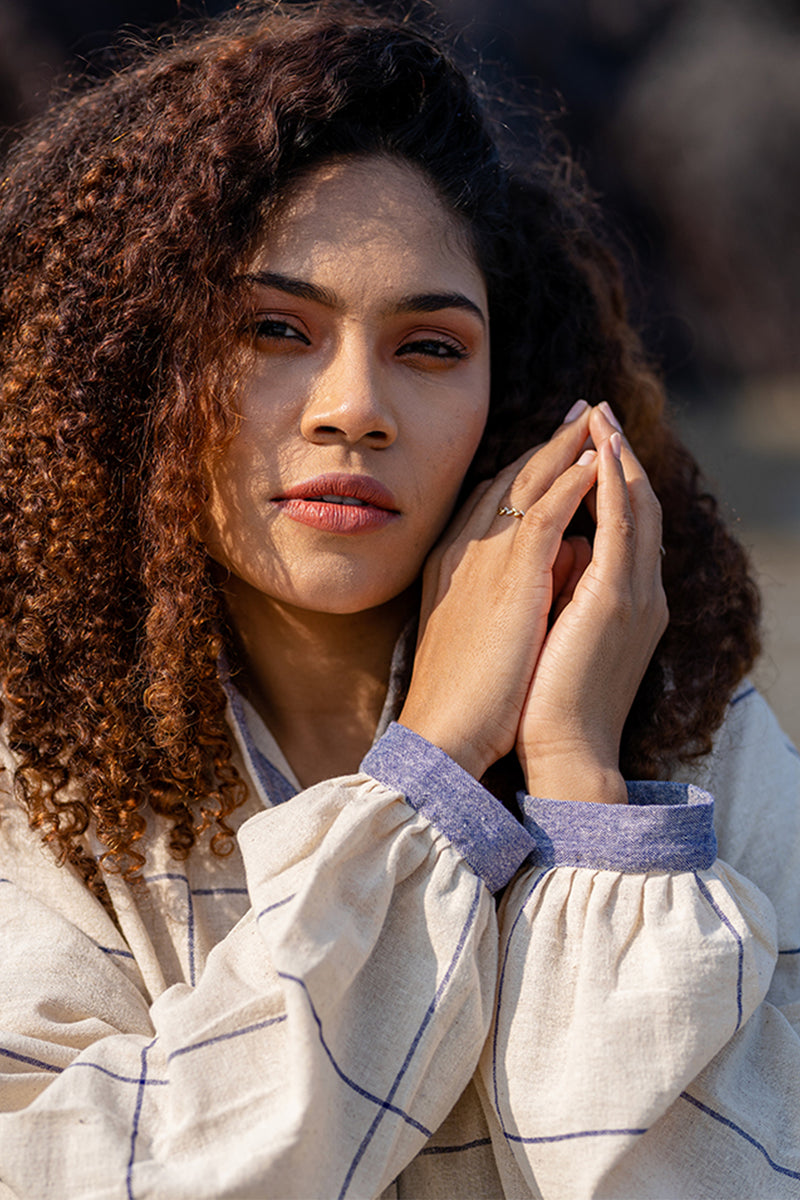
(633, 1053)
(329, 1033)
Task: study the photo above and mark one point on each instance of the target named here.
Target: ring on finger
(507, 510)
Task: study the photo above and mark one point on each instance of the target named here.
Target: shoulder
(753, 773)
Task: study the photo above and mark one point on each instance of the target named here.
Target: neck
(318, 680)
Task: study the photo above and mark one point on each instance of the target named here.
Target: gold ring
(506, 511)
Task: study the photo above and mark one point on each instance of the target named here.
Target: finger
(643, 500)
(581, 557)
(615, 540)
(512, 486)
(542, 529)
(538, 474)
(562, 567)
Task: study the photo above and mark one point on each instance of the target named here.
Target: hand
(487, 595)
(607, 626)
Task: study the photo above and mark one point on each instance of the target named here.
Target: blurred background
(685, 114)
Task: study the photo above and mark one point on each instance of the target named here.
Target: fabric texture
(341, 1008)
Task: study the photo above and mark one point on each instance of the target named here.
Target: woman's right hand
(487, 595)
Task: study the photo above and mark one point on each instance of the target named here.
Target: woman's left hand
(608, 623)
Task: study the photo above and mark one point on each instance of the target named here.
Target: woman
(281, 329)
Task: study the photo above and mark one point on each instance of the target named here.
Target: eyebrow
(427, 302)
(424, 302)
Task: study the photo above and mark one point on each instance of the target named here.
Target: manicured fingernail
(616, 445)
(608, 413)
(578, 407)
(587, 457)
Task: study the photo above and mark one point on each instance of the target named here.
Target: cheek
(450, 453)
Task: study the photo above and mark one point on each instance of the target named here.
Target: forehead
(378, 219)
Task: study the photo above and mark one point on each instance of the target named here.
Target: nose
(349, 401)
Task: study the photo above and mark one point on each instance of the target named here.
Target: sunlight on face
(368, 395)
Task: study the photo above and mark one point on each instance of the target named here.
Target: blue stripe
(742, 696)
(568, 1137)
(797, 951)
(368, 1136)
(226, 1037)
(278, 904)
(119, 1078)
(6, 881)
(500, 998)
(111, 951)
(221, 891)
(741, 1132)
(137, 1112)
(484, 1141)
(345, 1079)
(32, 1062)
(173, 875)
(740, 970)
(792, 749)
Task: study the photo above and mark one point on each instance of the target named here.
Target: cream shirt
(342, 1009)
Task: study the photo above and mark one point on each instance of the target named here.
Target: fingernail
(608, 413)
(578, 407)
(587, 457)
(616, 445)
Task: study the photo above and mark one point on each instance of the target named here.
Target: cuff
(663, 827)
(491, 841)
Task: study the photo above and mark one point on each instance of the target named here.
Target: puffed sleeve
(633, 1053)
(328, 1034)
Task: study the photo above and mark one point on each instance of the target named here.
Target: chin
(349, 602)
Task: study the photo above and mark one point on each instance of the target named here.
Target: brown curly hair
(125, 215)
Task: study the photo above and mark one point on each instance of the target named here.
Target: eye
(276, 330)
(441, 348)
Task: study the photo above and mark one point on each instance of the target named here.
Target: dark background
(685, 115)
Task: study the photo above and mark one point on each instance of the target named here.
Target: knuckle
(625, 527)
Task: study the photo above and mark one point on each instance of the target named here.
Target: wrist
(575, 777)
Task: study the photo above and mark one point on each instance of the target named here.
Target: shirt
(342, 1007)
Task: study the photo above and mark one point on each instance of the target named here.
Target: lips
(339, 503)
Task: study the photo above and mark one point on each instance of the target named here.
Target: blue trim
(796, 951)
(274, 783)
(487, 836)
(368, 1136)
(176, 877)
(137, 1112)
(500, 986)
(706, 894)
(569, 1137)
(32, 1062)
(226, 1037)
(484, 1141)
(278, 904)
(663, 827)
(792, 749)
(743, 695)
(742, 1133)
(345, 1078)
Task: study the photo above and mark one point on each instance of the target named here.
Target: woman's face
(368, 396)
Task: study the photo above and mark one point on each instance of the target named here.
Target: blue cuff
(663, 827)
(486, 835)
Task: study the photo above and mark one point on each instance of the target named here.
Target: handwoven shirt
(344, 1006)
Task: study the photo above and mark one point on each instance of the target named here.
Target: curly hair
(125, 215)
